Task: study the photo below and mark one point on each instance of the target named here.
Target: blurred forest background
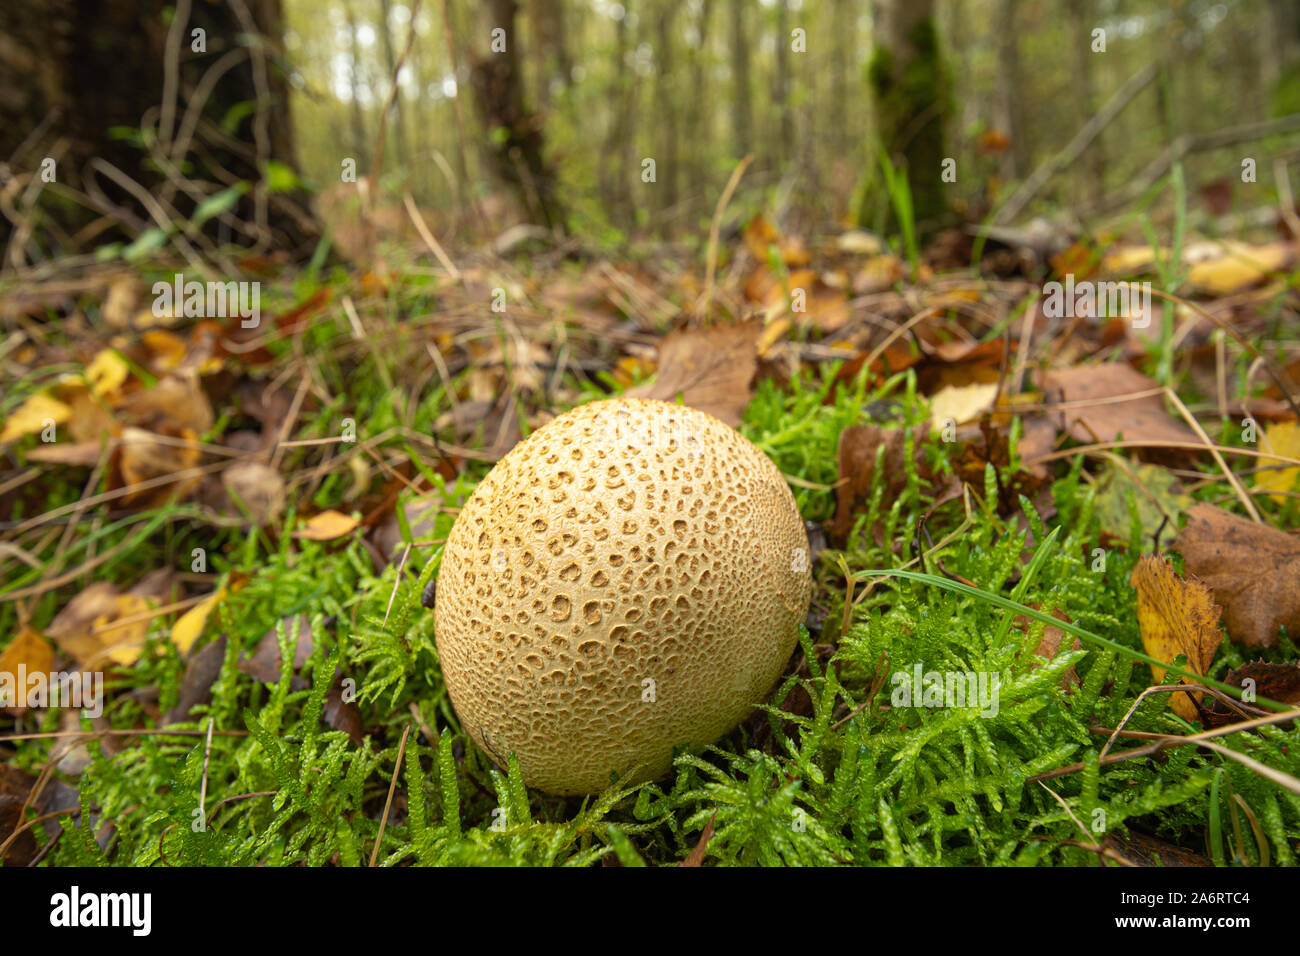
(548, 111)
(697, 85)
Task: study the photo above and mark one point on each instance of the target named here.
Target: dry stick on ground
(203, 784)
(1092, 843)
(423, 229)
(1279, 379)
(1165, 741)
(1173, 689)
(1076, 146)
(1218, 458)
(703, 303)
(392, 785)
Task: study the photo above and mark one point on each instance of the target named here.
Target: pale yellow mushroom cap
(629, 577)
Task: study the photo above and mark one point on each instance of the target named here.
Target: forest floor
(1086, 506)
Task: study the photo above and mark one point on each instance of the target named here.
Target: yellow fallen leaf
(961, 403)
(1175, 617)
(1131, 260)
(121, 633)
(167, 348)
(33, 415)
(107, 372)
(1243, 266)
(189, 626)
(30, 652)
(1282, 438)
(773, 332)
(327, 526)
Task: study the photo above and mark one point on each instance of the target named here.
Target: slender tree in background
(616, 163)
(911, 92)
(398, 120)
(667, 155)
(742, 96)
(700, 106)
(554, 65)
(1010, 113)
(784, 139)
(360, 145)
(1080, 17)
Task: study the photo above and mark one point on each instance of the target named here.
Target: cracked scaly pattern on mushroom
(629, 577)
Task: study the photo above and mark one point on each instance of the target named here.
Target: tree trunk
(666, 167)
(781, 86)
(66, 81)
(516, 151)
(911, 91)
(1015, 161)
(554, 65)
(1080, 34)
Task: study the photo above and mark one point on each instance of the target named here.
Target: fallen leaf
(342, 715)
(122, 631)
(1050, 644)
(1175, 617)
(175, 402)
(760, 234)
(143, 456)
(856, 454)
(167, 349)
(710, 368)
(1253, 570)
(1279, 682)
(266, 664)
(327, 526)
(258, 488)
(696, 856)
(1134, 419)
(960, 404)
(994, 448)
(201, 672)
(15, 792)
(107, 372)
(1155, 491)
(1282, 438)
(189, 625)
(83, 453)
(1242, 266)
(32, 653)
(33, 416)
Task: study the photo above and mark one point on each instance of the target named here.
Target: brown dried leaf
(266, 665)
(258, 487)
(1253, 570)
(711, 368)
(1134, 419)
(1279, 682)
(342, 715)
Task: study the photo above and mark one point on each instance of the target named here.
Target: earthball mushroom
(629, 577)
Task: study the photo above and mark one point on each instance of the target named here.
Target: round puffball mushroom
(628, 578)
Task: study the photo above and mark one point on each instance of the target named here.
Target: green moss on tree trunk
(911, 89)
